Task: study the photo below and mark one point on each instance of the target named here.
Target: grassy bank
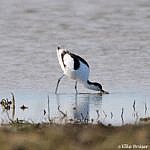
(71, 137)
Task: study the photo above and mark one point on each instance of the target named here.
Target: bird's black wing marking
(77, 60)
(62, 57)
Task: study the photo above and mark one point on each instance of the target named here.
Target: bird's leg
(76, 87)
(58, 83)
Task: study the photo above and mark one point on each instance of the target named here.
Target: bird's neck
(90, 85)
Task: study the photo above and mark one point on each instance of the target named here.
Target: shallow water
(115, 108)
(113, 36)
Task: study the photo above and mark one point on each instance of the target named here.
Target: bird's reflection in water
(81, 109)
(78, 108)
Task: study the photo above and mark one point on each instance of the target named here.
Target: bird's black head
(97, 86)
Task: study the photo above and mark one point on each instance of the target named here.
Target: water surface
(113, 36)
(115, 108)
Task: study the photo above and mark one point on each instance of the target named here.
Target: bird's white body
(81, 74)
(77, 69)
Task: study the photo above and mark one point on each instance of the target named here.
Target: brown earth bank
(73, 137)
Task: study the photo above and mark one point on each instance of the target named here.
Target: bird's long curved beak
(104, 92)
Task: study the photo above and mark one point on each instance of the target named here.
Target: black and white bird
(77, 69)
